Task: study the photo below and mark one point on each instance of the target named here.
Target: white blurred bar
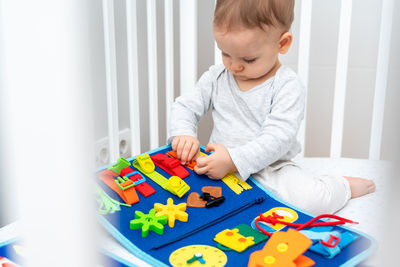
(169, 56)
(133, 74)
(111, 78)
(46, 92)
(188, 44)
(153, 73)
(217, 51)
(341, 78)
(304, 59)
(381, 79)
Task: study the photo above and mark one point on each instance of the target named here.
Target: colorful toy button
(146, 163)
(173, 212)
(177, 186)
(121, 164)
(148, 222)
(233, 240)
(283, 249)
(190, 256)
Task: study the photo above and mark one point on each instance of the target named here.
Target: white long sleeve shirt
(258, 127)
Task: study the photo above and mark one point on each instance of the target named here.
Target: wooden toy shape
(148, 222)
(284, 249)
(194, 201)
(121, 164)
(146, 163)
(232, 239)
(173, 212)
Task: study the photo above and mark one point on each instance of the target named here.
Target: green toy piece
(124, 183)
(120, 165)
(107, 204)
(148, 222)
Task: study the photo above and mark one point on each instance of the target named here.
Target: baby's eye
(249, 60)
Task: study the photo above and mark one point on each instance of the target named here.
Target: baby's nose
(235, 67)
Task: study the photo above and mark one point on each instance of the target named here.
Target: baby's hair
(254, 13)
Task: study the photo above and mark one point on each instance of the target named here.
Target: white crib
(141, 54)
(346, 128)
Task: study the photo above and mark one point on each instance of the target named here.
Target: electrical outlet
(102, 151)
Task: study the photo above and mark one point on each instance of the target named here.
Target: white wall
(324, 38)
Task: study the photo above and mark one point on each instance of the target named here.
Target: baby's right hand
(187, 148)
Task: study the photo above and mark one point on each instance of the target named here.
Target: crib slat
(111, 78)
(153, 73)
(381, 79)
(341, 78)
(169, 56)
(133, 75)
(304, 58)
(188, 44)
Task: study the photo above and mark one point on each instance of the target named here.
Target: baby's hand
(216, 165)
(187, 148)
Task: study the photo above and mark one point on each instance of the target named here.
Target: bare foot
(360, 186)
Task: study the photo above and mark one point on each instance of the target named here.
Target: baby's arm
(186, 112)
(277, 135)
(216, 165)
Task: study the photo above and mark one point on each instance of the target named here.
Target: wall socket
(102, 150)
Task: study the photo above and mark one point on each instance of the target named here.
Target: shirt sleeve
(188, 109)
(278, 132)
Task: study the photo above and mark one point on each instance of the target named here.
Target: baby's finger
(185, 152)
(210, 147)
(194, 151)
(201, 161)
(179, 148)
(175, 142)
(200, 171)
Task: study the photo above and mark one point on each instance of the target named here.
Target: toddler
(257, 106)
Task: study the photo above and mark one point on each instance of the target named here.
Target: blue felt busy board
(118, 223)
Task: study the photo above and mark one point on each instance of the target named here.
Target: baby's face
(250, 54)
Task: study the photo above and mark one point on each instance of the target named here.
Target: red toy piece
(125, 171)
(311, 223)
(143, 188)
(190, 165)
(170, 165)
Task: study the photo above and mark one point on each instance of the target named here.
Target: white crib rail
(188, 65)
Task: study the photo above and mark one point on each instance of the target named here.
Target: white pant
(317, 194)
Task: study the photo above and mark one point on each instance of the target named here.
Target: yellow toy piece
(234, 183)
(211, 256)
(177, 186)
(146, 163)
(173, 212)
(232, 239)
(288, 215)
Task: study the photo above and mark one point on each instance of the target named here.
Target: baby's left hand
(216, 165)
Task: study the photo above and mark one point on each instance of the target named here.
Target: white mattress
(368, 210)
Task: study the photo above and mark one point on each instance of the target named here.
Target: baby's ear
(285, 42)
